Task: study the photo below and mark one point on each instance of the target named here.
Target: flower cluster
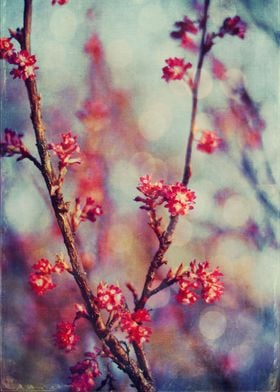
(41, 280)
(110, 297)
(65, 337)
(209, 142)
(24, 61)
(197, 283)
(84, 373)
(184, 28)
(65, 149)
(90, 211)
(233, 26)
(176, 69)
(131, 323)
(13, 145)
(60, 2)
(177, 198)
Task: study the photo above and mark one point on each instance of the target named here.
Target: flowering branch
(118, 354)
(166, 238)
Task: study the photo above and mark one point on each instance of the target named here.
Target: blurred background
(100, 78)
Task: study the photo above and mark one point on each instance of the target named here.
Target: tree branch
(119, 356)
(166, 239)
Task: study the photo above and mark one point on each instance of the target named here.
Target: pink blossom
(43, 266)
(176, 69)
(179, 199)
(197, 283)
(83, 375)
(132, 325)
(110, 297)
(65, 337)
(90, 211)
(26, 65)
(40, 282)
(65, 149)
(6, 48)
(209, 142)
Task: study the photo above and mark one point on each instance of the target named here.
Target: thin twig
(166, 239)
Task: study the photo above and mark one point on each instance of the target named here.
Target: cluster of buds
(184, 29)
(90, 212)
(24, 61)
(233, 26)
(84, 373)
(64, 151)
(41, 280)
(13, 145)
(176, 69)
(65, 337)
(177, 198)
(131, 324)
(197, 283)
(111, 298)
(209, 142)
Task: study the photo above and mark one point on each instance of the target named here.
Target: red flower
(110, 297)
(40, 282)
(26, 65)
(175, 70)
(209, 142)
(179, 199)
(233, 26)
(149, 189)
(43, 266)
(65, 337)
(131, 324)
(13, 145)
(208, 285)
(90, 211)
(65, 149)
(6, 48)
(83, 375)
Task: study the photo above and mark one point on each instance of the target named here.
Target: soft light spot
(25, 210)
(152, 19)
(63, 24)
(125, 183)
(236, 211)
(155, 121)
(119, 53)
(212, 324)
(53, 56)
